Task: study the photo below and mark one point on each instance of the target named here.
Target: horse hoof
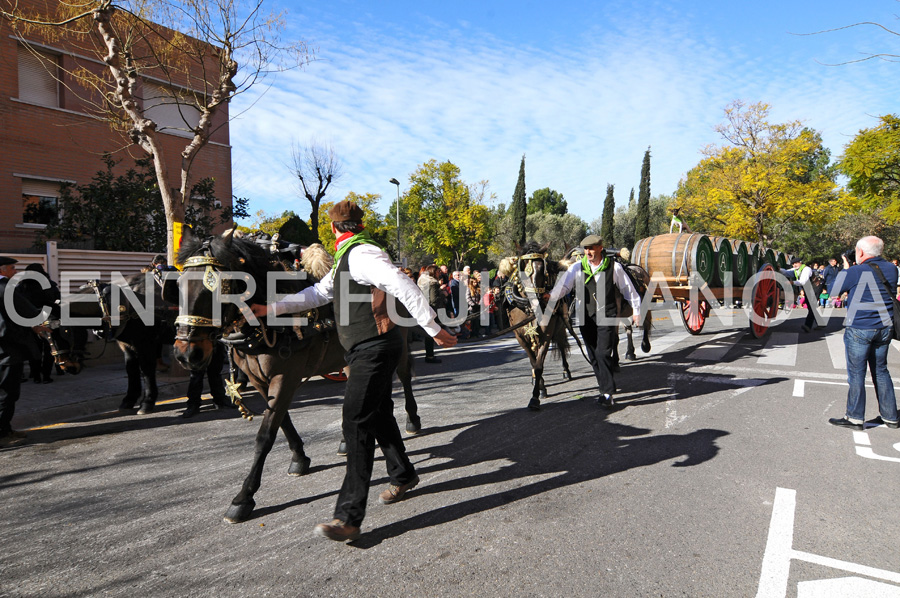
(146, 408)
(630, 357)
(567, 375)
(542, 394)
(413, 425)
(342, 448)
(645, 346)
(300, 467)
(534, 405)
(239, 513)
(126, 405)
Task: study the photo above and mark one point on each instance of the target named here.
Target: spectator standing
(868, 332)
(431, 288)
(830, 274)
(17, 344)
(453, 296)
(40, 367)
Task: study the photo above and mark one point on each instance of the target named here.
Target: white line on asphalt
(835, 342)
(662, 344)
(781, 350)
(773, 580)
(715, 348)
(800, 385)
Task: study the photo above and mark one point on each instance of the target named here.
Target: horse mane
(235, 254)
(317, 261)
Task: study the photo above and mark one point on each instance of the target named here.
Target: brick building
(48, 134)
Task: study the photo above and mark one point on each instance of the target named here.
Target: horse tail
(561, 339)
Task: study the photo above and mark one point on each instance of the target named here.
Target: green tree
(766, 179)
(607, 228)
(547, 201)
(563, 231)
(373, 221)
(124, 212)
(518, 208)
(872, 163)
(449, 219)
(642, 217)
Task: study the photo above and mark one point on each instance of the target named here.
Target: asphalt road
(716, 476)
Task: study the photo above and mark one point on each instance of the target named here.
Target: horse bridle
(212, 280)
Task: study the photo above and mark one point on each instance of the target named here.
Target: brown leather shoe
(337, 530)
(396, 493)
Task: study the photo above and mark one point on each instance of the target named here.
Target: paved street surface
(717, 476)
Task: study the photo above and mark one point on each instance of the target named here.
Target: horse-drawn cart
(692, 269)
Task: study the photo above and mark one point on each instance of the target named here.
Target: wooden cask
(676, 256)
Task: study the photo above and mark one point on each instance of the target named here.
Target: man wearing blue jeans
(868, 332)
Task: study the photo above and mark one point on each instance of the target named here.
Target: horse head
(213, 267)
(533, 269)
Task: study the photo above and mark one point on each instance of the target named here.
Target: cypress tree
(607, 232)
(518, 209)
(631, 200)
(642, 218)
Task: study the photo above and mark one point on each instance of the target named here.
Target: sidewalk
(97, 389)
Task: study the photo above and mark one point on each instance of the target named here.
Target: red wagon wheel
(694, 318)
(765, 302)
(336, 377)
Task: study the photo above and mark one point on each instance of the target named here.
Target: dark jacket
(829, 275)
(18, 344)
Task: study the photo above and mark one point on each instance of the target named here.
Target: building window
(173, 112)
(38, 77)
(40, 201)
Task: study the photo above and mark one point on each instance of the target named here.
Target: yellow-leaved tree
(768, 179)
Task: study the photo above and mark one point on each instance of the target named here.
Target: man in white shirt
(599, 276)
(360, 285)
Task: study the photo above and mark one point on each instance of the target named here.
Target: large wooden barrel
(783, 260)
(676, 256)
(756, 258)
(770, 258)
(724, 259)
(740, 262)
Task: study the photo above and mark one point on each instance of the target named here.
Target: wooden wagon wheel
(694, 319)
(765, 301)
(336, 377)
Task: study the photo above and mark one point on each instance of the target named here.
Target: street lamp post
(396, 182)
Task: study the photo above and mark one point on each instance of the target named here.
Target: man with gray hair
(868, 332)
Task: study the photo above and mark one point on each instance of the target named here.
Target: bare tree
(317, 166)
(187, 56)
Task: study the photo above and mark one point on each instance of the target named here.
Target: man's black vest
(607, 298)
(357, 319)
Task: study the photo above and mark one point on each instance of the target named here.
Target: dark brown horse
(277, 361)
(531, 274)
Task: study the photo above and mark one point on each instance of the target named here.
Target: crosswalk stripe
(715, 348)
(663, 343)
(780, 350)
(835, 342)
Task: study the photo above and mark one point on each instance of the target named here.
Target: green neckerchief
(586, 266)
(362, 237)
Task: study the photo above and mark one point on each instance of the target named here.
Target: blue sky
(580, 88)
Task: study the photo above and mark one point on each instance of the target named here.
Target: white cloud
(583, 113)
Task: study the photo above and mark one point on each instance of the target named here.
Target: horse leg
(567, 375)
(133, 371)
(645, 342)
(147, 358)
(630, 355)
(242, 504)
(539, 390)
(299, 461)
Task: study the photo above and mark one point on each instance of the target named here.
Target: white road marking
(715, 348)
(800, 385)
(662, 344)
(780, 350)
(835, 342)
(773, 579)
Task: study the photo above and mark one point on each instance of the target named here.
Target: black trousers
(600, 342)
(10, 387)
(368, 418)
(214, 372)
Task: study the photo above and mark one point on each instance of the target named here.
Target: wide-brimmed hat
(7, 261)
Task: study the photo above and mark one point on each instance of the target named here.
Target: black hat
(796, 260)
(7, 261)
